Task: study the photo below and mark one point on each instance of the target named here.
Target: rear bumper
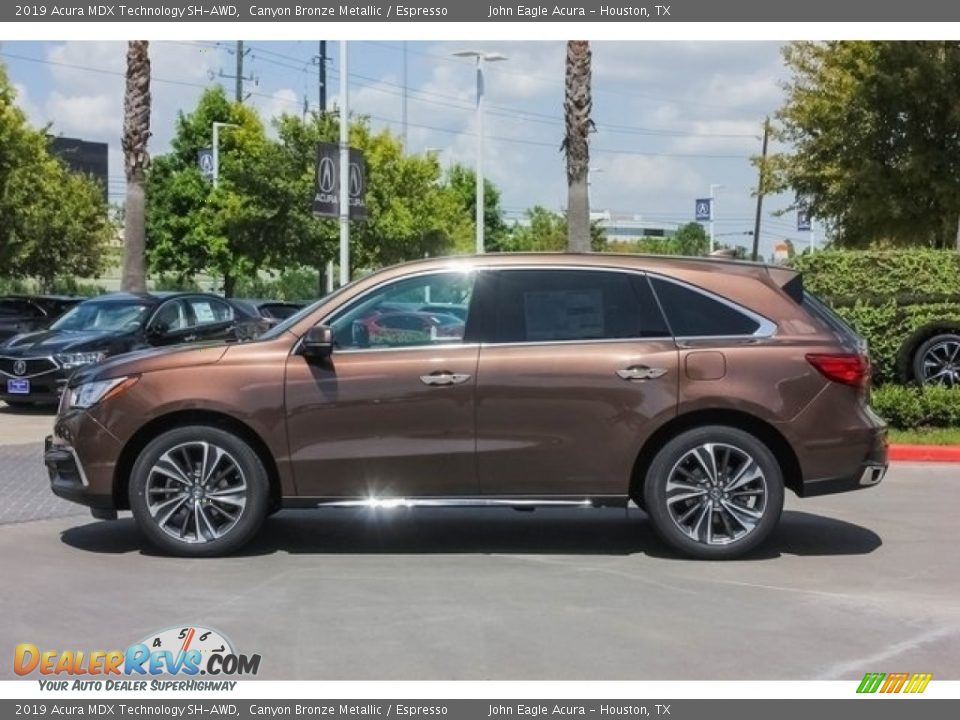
(869, 472)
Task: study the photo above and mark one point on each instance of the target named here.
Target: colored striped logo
(895, 682)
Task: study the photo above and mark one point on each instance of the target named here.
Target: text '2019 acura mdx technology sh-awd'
(701, 389)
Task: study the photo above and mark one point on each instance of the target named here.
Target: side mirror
(158, 331)
(318, 342)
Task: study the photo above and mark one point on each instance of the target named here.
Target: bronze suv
(700, 389)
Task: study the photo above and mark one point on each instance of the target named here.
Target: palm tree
(136, 133)
(576, 107)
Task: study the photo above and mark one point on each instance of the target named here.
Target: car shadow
(484, 531)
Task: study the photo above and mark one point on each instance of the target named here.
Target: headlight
(73, 360)
(89, 394)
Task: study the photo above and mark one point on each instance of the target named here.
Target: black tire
(675, 458)
(247, 480)
(939, 348)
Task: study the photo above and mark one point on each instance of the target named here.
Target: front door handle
(641, 372)
(444, 378)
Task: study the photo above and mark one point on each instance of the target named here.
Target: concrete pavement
(853, 583)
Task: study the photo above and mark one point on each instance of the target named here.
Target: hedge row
(908, 406)
(887, 296)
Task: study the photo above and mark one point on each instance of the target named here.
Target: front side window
(392, 317)
(692, 313)
(565, 305)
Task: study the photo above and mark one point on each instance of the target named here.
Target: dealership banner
(580, 11)
(427, 709)
(326, 194)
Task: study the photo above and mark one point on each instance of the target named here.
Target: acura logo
(326, 175)
(19, 367)
(356, 180)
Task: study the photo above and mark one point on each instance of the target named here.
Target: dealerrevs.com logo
(184, 651)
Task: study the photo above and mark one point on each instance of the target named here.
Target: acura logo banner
(326, 198)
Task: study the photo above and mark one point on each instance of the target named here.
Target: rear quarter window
(693, 313)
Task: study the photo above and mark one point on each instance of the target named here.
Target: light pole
(713, 209)
(344, 167)
(481, 58)
(216, 149)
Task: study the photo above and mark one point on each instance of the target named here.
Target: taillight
(844, 368)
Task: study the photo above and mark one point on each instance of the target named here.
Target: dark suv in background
(35, 366)
(700, 389)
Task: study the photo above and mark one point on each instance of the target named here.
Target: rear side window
(558, 305)
(692, 313)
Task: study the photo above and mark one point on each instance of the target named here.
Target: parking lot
(849, 584)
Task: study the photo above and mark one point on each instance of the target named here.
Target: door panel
(558, 419)
(579, 370)
(364, 423)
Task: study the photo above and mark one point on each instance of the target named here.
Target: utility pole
(344, 168)
(761, 182)
(238, 77)
(403, 98)
(322, 89)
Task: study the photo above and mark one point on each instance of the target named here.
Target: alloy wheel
(941, 363)
(196, 492)
(716, 494)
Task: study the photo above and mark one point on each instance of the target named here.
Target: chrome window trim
(438, 346)
(766, 327)
(766, 330)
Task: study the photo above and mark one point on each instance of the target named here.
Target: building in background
(83, 156)
(630, 228)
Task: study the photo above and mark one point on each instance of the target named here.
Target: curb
(924, 453)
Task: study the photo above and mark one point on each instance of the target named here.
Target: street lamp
(713, 209)
(481, 57)
(216, 149)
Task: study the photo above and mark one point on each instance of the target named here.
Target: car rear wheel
(937, 361)
(714, 492)
(199, 491)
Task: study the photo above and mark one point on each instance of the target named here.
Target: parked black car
(26, 313)
(34, 367)
(269, 311)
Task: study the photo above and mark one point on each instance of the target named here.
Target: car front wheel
(199, 491)
(714, 492)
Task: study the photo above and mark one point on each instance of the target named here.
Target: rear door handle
(444, 378)
(641, 372)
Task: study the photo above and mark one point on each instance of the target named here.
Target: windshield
(103, 316)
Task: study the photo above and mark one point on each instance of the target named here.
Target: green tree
(260, 215)
(691, 239)
(53, 222)
(237, 228)
(546, 231)
(463, 181)
(875, 135)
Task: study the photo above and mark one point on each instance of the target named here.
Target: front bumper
(80, 458)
